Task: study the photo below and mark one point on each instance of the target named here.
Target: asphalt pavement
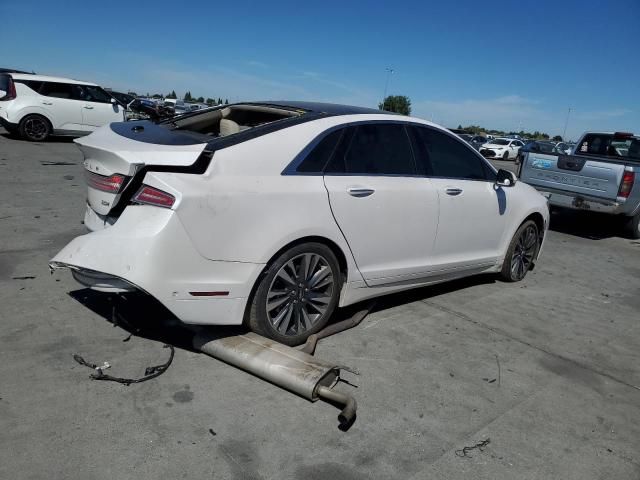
(545, 372)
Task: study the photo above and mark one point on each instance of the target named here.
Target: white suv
(35, 106)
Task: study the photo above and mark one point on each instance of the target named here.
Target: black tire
(633, 226)
(521, 252)
(303, 301)
(505, 156)
(34, 128)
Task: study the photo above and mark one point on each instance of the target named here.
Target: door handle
(88, 107)
(360, 192)
(453, 191)
(47, 103)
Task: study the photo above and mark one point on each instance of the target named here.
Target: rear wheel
(521, 252)
(35, 128)
(297, 294)
(633, 226)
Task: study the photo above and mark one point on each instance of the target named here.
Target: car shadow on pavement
(16, 137)
(425, 293)
(590, 225)
(143, 316)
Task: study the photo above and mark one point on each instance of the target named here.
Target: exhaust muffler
(281, 365)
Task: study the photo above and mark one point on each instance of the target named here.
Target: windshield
(499, 141)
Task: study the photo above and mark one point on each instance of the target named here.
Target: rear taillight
(11, 91)
(627, 184)
(112, 184)
(153, 196)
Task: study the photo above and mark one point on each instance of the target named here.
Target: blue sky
(506, 65)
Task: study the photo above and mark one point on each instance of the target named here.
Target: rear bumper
(148, 250)
(7, 124)
(582, 202)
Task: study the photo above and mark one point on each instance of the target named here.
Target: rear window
(32, 84)
(57, 90)
(609, 146)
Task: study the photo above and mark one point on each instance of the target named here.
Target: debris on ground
(149, 373)
(47, 164)
(24, 277)
(480, 446)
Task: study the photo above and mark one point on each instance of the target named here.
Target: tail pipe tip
(348, 414)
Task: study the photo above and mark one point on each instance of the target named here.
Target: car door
(473, 210)
(60, 105)
(98, 108)
(386, 211)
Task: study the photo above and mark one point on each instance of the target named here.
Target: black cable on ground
(149, 373)
(480, 446)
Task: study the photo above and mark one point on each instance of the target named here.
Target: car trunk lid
(114, 154)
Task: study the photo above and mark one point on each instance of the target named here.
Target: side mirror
(113, 100)
(506, 178)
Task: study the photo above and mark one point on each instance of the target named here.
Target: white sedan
(275, 214)
(501, 148)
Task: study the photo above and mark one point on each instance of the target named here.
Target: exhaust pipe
(348, 414)
(310, 345)
(281, 365)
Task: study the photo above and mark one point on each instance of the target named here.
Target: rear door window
(374, 149)
(447, 157)
(57, 90)
(32, 84)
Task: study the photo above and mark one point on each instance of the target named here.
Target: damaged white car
(274, 214)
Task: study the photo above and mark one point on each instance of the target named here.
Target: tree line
(536, 135)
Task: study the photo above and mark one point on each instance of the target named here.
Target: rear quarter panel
(244, 210)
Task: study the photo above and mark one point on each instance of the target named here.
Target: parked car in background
(261, 213)
(539, 146)
(565, 147)
(476, 141)
(601, 175)
(501, 148)
(36, 106)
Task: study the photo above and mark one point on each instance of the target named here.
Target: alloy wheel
(524, 252)
(35, 128)
(300, 294)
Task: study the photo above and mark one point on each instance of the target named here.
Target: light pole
(389, 71)
(564, 132)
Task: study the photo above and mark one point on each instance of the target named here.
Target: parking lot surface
(547, 369)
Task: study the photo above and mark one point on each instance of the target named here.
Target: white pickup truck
(600, 175)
